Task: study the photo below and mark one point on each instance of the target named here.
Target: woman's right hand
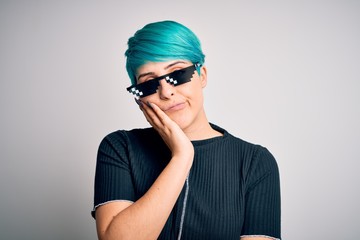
(146, 217)
(175, 138)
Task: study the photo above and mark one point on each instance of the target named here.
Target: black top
(233, 188)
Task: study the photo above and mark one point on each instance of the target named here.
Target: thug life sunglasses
(175, 78)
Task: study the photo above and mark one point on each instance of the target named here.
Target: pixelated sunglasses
(175, 78)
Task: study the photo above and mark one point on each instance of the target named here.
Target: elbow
(108, 235)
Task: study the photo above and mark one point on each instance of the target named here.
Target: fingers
(154, 115)
(170, 132)
(158, 112)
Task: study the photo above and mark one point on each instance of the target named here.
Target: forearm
(145, 218)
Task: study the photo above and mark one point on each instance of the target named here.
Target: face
(182, 103)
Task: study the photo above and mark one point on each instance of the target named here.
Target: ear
(203, 76)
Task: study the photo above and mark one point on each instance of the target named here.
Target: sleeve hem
(264, 236)
(100, 204)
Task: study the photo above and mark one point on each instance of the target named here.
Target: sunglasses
(175, 78)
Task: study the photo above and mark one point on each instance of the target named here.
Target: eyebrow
(152, 73)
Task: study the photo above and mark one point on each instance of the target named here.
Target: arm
(145, 218)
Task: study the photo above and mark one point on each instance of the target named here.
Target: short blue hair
(160, 42)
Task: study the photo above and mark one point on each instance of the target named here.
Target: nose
(166, 90)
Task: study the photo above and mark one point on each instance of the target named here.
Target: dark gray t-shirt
(233, 188)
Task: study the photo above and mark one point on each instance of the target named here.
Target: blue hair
(160, 42)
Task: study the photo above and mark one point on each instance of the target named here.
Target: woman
(183, 178)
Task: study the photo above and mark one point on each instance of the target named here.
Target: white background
(284, 74)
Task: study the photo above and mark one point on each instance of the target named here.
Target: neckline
(213, 139)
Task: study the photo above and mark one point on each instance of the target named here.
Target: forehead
(154, 67)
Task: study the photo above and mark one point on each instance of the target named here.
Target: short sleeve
(262, 199)
(112, 175)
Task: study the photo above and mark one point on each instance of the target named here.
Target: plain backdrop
(283, 74)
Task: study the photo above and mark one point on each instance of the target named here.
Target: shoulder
(247, 148)
(132, 140)
(260, 165)
(120, 139)
(259, 156)
(255, 156)
(127, 135)
(234, 140)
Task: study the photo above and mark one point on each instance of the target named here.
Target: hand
(174, 137)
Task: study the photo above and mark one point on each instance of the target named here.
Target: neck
(201, 130)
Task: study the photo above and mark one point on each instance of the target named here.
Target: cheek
(193, 90)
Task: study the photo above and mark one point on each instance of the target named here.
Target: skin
(184, 103)
(178, 115)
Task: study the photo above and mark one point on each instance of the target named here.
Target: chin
(183, 122)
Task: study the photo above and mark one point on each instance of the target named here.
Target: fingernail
(149, 104)
(139, 102)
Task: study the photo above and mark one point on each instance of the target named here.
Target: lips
(175, 107)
